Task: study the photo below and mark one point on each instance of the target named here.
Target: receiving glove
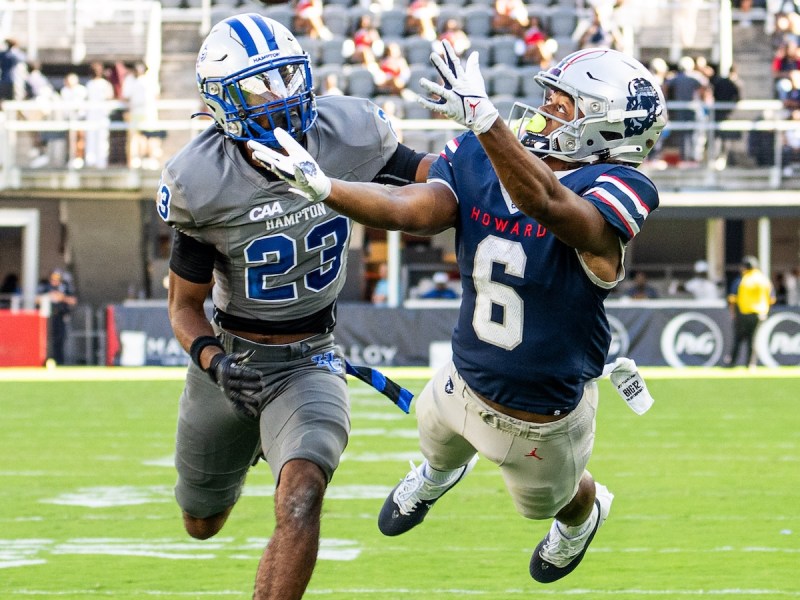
(463, 96)
(241, 384)
(296, 167)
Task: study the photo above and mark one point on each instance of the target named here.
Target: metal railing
(30, 128)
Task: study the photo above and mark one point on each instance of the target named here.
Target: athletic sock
(437, 476)
(576, 531)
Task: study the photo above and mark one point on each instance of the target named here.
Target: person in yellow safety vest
(749, 300)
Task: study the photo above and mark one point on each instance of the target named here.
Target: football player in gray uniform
(265, 379)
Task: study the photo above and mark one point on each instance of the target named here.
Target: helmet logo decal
(642, 96)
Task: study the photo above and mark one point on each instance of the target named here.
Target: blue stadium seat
(392, 23)
(414, 110)
(449, 11)
(561, 22)
(478, 21)
(360, 82)
(417, 50)
(482, 45)
(311, 46)
(282, 13)
(337, 18)
(503, 104)
(330, 51)
(504, 50)
(417, 71)
(502, 80)
(528, 87)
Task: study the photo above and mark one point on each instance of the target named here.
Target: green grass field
(707, 489)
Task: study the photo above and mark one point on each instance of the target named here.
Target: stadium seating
(360, 82)
(478, 21)
(330, 51)
(417, 50)
(337, 18)
(502, 79)
(392, 23)
(504, 50)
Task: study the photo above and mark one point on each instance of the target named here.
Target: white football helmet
(621, 110)
(254, 76)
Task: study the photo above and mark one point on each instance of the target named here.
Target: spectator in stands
(394, 72)
(380, 293)
(660, 70)
(73, 98)
(787, 28)
(117, 75)
(538, 47)
(510, 17)
(367, 43)
(421, 16)
(792, 277)
(99, 92)
(781, 291)
(599, 32)
(441, 289)
(686, 85)
(330, 85)
(453, 32)
(41, 91)
(750, 299)
(701, 286)
(36, 83)
(791, 100)
(9, 288)
(57, 292)
(141, 91)
(785, 60)
(640, 288)
(13, 68)
(308, 20)
(790, 150)
(726, 89)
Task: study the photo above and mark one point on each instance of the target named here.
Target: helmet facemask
(620, 111)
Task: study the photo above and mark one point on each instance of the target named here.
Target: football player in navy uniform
(265, 379)
(543, 207)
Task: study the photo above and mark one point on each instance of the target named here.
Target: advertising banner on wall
(677, 335)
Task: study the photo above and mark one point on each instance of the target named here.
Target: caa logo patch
(692, 340)
(778, 340)
(163, 201)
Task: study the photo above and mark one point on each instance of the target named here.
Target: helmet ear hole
(611, 136)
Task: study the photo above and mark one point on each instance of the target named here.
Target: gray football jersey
(279, 256)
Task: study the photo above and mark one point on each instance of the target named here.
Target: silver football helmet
(254, 76)
(621, 110)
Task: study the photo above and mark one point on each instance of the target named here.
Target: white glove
(463, 96)
(630, 385)
(296, 167)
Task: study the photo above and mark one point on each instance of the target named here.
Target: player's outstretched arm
(422, 209)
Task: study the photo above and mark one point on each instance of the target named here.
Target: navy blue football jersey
(532, 328)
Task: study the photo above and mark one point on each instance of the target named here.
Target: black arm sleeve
(192, 260)
(401, 168)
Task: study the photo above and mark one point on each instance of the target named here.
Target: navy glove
(241, 384)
